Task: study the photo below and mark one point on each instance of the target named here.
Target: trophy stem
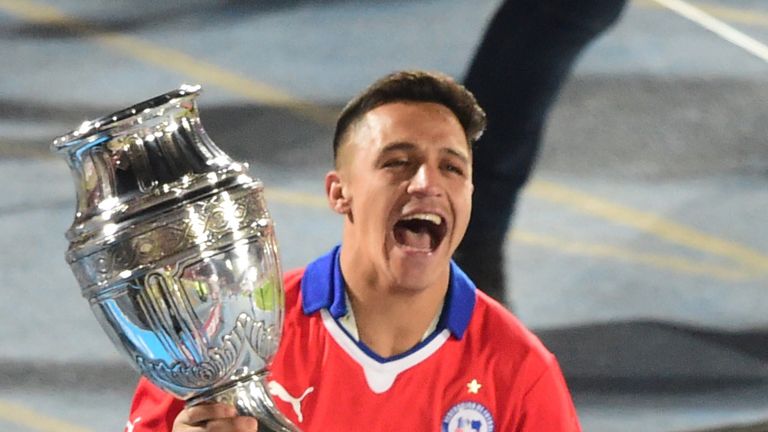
(251, 398)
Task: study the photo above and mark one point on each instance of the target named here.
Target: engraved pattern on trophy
(174, 248)
(217, 363)
(207, 223)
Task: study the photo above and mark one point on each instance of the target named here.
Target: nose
(425, 181)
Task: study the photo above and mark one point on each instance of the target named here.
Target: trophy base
(251, 398)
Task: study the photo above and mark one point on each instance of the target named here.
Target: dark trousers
(525, 56)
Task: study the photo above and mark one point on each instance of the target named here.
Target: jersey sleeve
(547, 406)
(152, 409)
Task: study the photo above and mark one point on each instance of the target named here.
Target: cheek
(463, 203)
(369, 207)
(464, 193)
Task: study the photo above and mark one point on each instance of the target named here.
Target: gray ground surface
(640, 253)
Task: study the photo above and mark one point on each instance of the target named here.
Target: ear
(338, 198)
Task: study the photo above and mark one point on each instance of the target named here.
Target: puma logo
(129, 425)
(276, 389)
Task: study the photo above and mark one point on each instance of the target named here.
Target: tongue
(415, 238)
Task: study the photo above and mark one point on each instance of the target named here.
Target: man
(384, 332)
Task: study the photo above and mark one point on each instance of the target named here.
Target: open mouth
(420, 231)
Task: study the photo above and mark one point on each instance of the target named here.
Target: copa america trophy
(174, 248)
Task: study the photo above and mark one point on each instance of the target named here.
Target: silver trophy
(174, 248)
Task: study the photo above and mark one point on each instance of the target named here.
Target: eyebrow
(398, 146)
(458, 154)
(406, 146)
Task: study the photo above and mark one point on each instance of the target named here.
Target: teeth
(429, 217)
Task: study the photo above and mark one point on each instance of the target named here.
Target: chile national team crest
(468, 417)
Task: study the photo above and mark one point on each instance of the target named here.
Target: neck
(390, 326)
(390, 320)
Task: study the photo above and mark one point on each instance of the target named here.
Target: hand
(213, 418)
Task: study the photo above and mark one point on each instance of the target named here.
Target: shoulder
(508, 339)
(526, 371)
(499, 324)
(292, 285)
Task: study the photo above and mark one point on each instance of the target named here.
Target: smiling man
(385, 332)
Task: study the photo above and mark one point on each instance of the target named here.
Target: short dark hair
(414, 86)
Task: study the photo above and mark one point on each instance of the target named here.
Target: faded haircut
(413, 86)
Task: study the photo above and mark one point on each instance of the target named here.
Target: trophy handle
(251, 398)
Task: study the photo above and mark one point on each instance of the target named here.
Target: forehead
(411, 122)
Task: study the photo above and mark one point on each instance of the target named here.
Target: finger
(187, 428)
(179, 425)
(233, 424)
(200, 414)
(244, 423)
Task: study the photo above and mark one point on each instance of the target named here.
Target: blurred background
(639, 252)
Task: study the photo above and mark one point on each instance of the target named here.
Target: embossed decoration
(248, 335)
(219, 218)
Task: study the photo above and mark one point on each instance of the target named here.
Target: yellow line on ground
(22, 416)
(648, 223)
(171, 60)
(38, 13)
(734, 15)
(176, 61)
(666, 262)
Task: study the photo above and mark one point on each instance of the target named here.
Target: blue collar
(322, 287)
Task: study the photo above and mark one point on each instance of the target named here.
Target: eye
(395, 163)
(453, 168)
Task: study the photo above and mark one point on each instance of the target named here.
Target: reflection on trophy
(174, 249)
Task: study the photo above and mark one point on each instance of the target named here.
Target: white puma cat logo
(129, 425)
(276, 389)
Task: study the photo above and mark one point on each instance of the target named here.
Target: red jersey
(479, 371)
